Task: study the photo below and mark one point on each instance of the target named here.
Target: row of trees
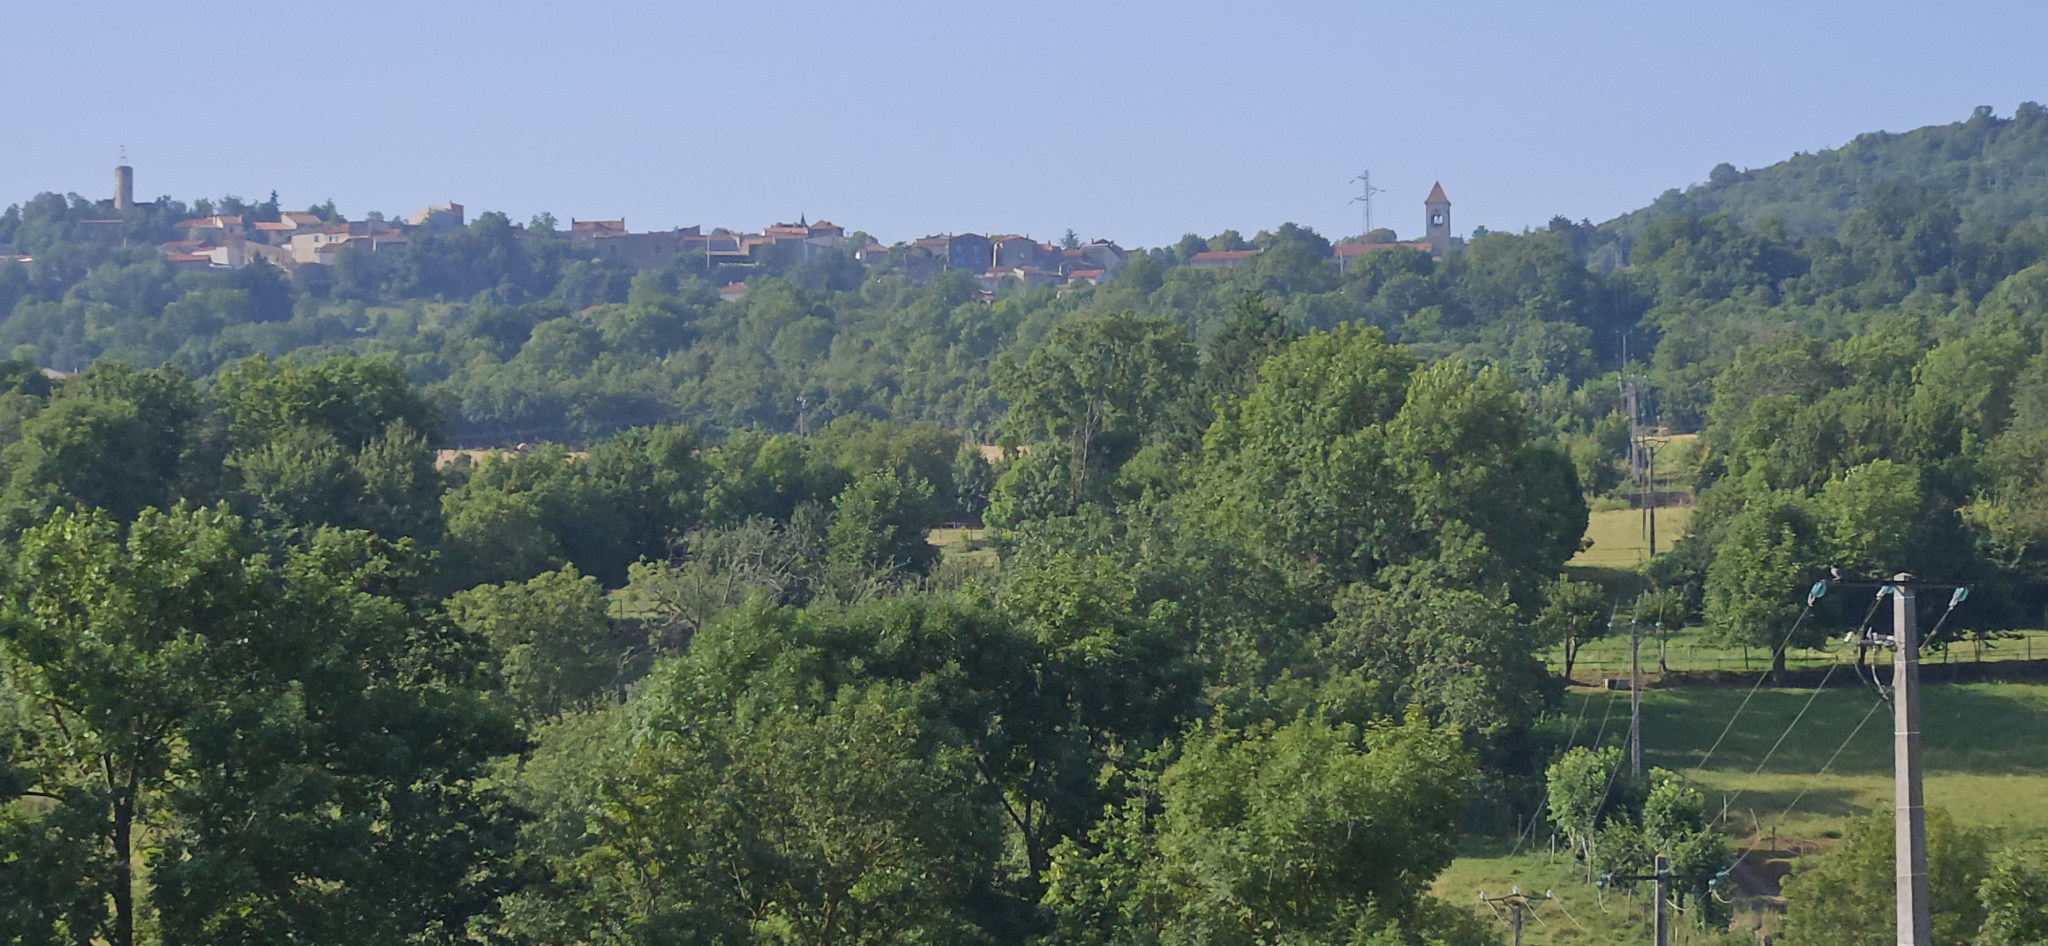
(272, 672)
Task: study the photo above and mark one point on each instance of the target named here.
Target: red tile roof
(1436, 195)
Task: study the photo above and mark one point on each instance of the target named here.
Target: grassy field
(1986, 762)
(1618, 540)
(969, 545)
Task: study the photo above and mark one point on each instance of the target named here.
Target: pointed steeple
(1437, 221)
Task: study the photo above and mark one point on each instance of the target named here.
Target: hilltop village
(321, 236)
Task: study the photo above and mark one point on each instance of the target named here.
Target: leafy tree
(1871, 519)
(776, 799)
(1460, 658)
(1231, 360)
(1758, 574)
(1677, 824)
(496, 536)
(1662, 611)
(879, 525)
(2010, 894)
(1301, 832)
(1581, 786)
(1347, 459)
(1571, 616)
(1099, 386)
(173, 676)
(551, 637)
(352, 400)
(1847, 895)
(1106, 679)
(147, 419)
(717, 570)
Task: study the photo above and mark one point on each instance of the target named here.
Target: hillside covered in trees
(1275, 551)
(1990, 169)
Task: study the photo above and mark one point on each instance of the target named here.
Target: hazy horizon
(1126, 124)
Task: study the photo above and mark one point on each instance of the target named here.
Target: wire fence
(1686, 653)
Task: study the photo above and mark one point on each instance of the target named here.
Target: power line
(1811, 783)
(1815, 695)
(1813, 595)
(1529, 829)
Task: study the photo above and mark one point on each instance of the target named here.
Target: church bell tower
(1438, 219)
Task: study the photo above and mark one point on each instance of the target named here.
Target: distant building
(733, 291)
(326, 253)
(581, 230)
(970, 251)
(654, 250)
(215, 229)
(1023, 251)
(1104, 255)
(318, 244)
(189, 261)
(1437, 214)
(446, 216)
(279, 256)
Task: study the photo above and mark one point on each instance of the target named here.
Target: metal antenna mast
(1366, 190)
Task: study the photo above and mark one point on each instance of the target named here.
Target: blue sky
(1135, 122)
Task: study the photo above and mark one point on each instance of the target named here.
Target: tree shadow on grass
(1768, 806)
(1979, 729)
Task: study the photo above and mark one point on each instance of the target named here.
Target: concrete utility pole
(1915, 928)
(1659, 923)
(1516, 901)
(1650, 491)
(1635, 702)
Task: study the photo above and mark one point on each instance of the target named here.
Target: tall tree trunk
(124, 873)
(1778, 667)
(1571, 656)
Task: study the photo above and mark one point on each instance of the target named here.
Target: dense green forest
(1275, 550)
